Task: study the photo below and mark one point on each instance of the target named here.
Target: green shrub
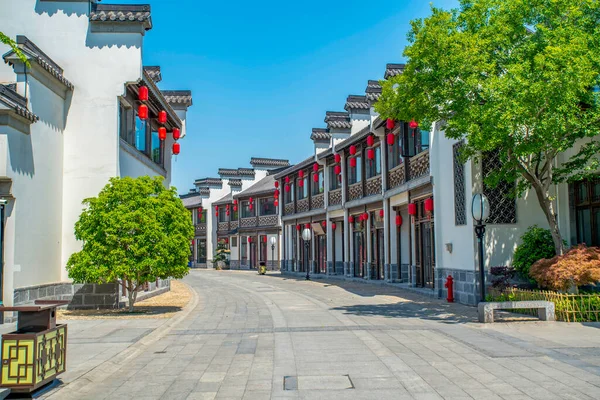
(536, 243)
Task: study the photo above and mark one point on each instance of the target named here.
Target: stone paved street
(271, 337)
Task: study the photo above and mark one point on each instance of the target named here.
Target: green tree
(512, 76)
(536, 244)
(13, 45)
(135, 231)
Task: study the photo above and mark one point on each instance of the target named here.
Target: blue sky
(264, 73)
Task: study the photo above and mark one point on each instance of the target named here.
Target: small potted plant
(220, 258)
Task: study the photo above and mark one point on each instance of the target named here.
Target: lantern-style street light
(306, 236)
(480, 209)
(273, 241)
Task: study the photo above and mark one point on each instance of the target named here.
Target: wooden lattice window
(460, 204)
(503, 207)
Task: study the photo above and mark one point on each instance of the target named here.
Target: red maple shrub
(579, 266)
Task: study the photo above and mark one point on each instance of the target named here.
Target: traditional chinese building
(84, 109)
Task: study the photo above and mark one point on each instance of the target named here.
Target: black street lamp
(273, 241)
(306, 236)
(480, 209)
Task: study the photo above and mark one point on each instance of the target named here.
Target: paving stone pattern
(273, 337)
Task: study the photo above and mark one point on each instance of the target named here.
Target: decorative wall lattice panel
(223, 226)
(374, 186)
(234, 224)
(335, 197)
(266, 220)
(289, 209)
(248, 222)
(200, 229)
(460, 204)
(317, 201)
(503, 208)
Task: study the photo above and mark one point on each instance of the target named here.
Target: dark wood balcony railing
(302, 205)
(234, 224)
(355, 191)
(335, 197)
(267, 220)
(289, 209)
(317, 201)
(223, 226)
(373, 186)
(397, 176)
(418, 165)
(201, 229)
(248, 222)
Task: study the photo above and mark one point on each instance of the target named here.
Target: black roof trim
(122, 13)
(271, 162)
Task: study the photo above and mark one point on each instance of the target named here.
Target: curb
(80, 384)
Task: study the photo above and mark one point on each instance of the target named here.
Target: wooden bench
(545, 309)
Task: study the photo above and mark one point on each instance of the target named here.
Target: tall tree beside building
(515, 77)
(135, 231)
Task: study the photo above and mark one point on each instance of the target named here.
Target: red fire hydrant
(450, 286)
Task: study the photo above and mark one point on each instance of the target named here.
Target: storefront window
(373, 167)
(156, 148)
(267, 206)
(319, 186)
(140, 134)
(355, 174)
(335, 181)
(303, 191)
(201, 251)
(222, 214)
(246, 211)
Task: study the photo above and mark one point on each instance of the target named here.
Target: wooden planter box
(36, 352)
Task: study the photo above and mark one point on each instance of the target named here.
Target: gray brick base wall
(88, 296)
(330, 270)
(339, 268)
(465, 285)
(234, 264)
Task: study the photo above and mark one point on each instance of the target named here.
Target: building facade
(238, 210)
(68, 123)
(390, 202)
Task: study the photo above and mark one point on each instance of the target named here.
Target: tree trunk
(131, 294)
(548, 209)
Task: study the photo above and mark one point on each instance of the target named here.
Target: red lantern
(324, 224)
(338, 158)
(413, 124)
(287, 179)
(398, 220)
(143, 112)
(176, 133)
(371, 154)
(143, 93)
(235, 202)
(307, 226)
(249, 239)
(390, 123)
(200, 209)
(391, 139)
(353, 162)
(301, 183)
(162, 117)
(162, 133)
(176, 148)
(352, 150)
(380, 213)
(351, 219)
(412, 209)
(301, 174)
(234, 208)
(429, 205)
(226, 240)
(370, 140)
(250, 206)
(217, 208)
(217, 213)
(276, 184)
(227, 213)
(333, 226)
(337, 170)
(276, 202)
(365, 216)
(264, 239)
(315, 167)
(227, 206)
(316, 178)
(251, 200)
(287, 188)
(298, 227)
(276, 194)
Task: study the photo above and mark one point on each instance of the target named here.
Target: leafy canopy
(135, 230)
(514, 76)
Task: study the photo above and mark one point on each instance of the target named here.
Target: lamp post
(306, 237)
(480, 209)
(273, 241)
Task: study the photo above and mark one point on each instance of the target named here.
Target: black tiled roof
(271, 162)
(339, 120)
(35, 53)
(191, 200)
(245, 172)
(224, 200)
(393, 70)
(228, 172)
(204, 191)
(16, 102)
(235, 183)
(265, 186)
(373, 91)
(154, 73)
(178, 97)
(320, 134)
(302, 164)
(354, 102)
(208, 181)
(122, 13)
